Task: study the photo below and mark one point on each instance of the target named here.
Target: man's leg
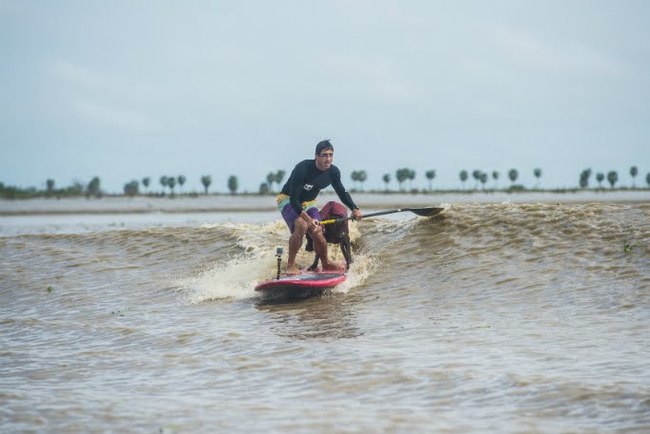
(320, 244)
(295, 242)
(298, 231)
(320, 247)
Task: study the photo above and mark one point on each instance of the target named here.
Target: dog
(335, 233)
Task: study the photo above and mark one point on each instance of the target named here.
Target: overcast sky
(128, 89)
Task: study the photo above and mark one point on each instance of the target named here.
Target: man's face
(324, 159)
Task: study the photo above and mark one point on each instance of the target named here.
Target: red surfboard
(299, 285)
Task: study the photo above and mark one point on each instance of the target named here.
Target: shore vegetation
(404, 177)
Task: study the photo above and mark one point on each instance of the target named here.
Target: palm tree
(495, 176)
(233, 184)
(476, 174)
(279, 176)
(410, 176)
(401, 175)
(386, 179)
(93, 188)
(171, 183)
(600, 177)
(513, 174)
(206, 180)
(359, 176)
(430, 174)
(146, 181)
(50, 186)
(276, 177)
(633, 173)
(584, 178)
(612, 177)
(538, 174)
(355, 177)
(463, 177)
(164, 181)
(362, 177)
(270, 179)
(181, 180)
(483, 178)
(132, 188)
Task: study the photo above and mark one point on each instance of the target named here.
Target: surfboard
(300, 285)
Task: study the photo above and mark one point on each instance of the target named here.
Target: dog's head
(335, 233)
(339, 231)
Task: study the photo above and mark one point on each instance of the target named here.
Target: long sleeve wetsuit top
(306, 181)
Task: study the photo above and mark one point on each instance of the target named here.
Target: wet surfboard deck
(299, 286)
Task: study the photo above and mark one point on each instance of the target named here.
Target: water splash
(236, 277)
(233, 279)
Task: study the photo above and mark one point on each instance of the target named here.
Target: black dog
(335, 233)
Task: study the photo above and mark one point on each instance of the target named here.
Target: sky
(131, 88)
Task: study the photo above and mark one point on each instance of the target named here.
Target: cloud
(567, 57)
(79, 78)
(369, 77)
(394, 83)
(73, 73)
(103, 99)
(118, 117)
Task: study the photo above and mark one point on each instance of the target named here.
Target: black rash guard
(306, 181)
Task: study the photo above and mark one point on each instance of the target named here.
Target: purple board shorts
(289, 214)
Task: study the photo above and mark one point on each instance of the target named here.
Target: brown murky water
(487, 318)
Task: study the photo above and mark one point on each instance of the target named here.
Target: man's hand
(357, 215)
(310, 221)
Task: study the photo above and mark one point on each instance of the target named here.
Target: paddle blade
(426, 212)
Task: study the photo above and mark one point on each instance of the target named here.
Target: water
(488, 318)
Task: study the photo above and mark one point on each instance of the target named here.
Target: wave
(500, 244)
(497, 246)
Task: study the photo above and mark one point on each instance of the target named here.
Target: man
(297, 203)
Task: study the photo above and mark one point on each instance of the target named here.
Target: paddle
(424, 212)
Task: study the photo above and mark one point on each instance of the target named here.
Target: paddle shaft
(374, 214)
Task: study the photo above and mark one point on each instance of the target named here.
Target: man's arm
(295, 187)
(297, 181)
(343, 194)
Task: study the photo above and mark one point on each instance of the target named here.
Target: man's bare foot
(292, 270)
(334, 266)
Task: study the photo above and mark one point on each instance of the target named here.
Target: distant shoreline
(254, 203)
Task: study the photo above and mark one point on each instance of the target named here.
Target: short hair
(323, 144)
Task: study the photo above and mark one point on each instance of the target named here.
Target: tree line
(359, 177)
(481, 177)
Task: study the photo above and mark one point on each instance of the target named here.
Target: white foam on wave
(236, 277)
(362, 267)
